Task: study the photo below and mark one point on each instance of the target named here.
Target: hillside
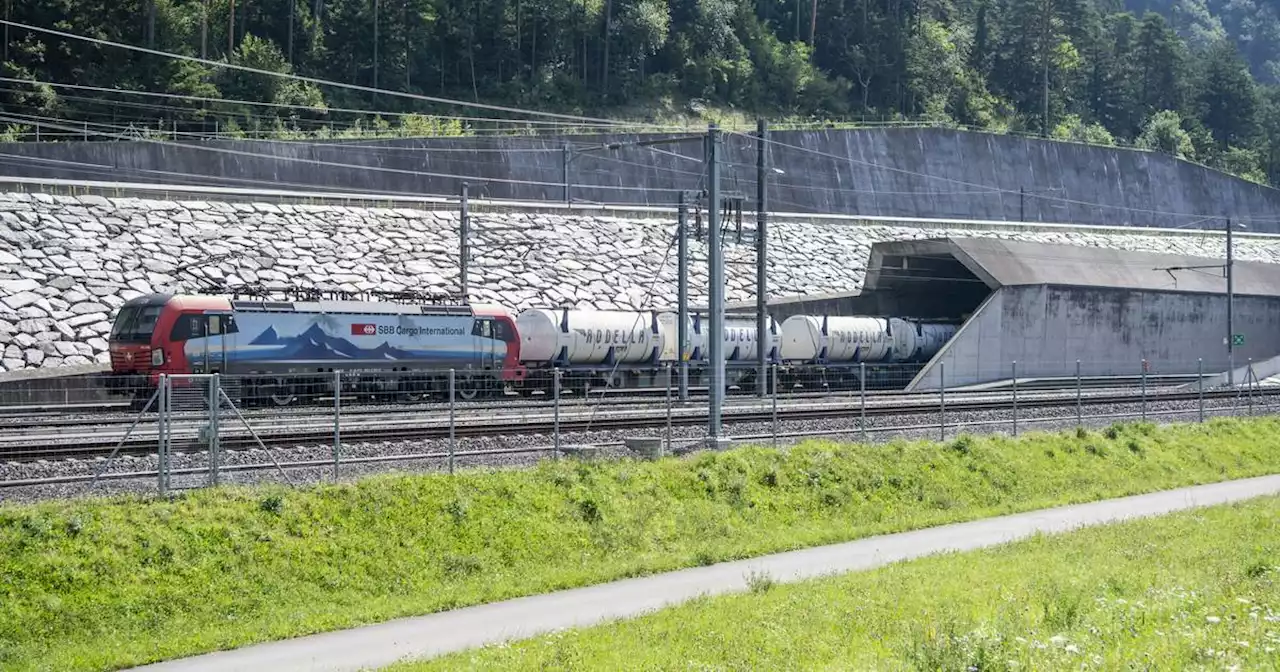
(1098, 73)
(1253, 25)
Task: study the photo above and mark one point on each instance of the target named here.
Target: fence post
(337, 422)
(1079, 411)
(555, 393)
(862, 396)
(1144, 390)
(452, 435)
(1200, 393)
(566, 155)
(773, 372)
(670, 436)
(215, 406)
(942, 399)
(163, 434)
(1249, 378)
(1015, 397)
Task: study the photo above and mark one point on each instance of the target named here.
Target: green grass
(99, 584)
(1193, 590)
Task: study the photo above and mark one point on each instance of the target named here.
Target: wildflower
(1057, 639)
(1242, 644)
(1213, 619)
(1072, 648)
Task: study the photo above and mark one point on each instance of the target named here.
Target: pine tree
(1228, 99)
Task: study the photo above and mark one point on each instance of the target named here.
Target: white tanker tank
(550, 336)
(835, 338)
(740, 342)
(932, 337)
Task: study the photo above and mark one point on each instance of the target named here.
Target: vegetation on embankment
(1192, 590)
(96, 584)
(1192, 78)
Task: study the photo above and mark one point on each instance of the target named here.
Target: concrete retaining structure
(1045, 329)
(903, 172)
(68, 262)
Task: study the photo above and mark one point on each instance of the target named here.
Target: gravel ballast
(526, 450)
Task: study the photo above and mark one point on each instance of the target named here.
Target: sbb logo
(364, 329)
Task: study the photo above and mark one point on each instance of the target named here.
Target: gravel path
(462, 629)
(362, 459)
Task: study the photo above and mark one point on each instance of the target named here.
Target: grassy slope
(1195, 590)
(108, 583)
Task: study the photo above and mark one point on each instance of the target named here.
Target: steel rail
(444, 455)
(323, 407)
(186, 436)
(45, 430)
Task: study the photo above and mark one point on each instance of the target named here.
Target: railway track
(15, 414)
(75, 442)
(190, 407)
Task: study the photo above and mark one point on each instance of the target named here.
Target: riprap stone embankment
(67, 263)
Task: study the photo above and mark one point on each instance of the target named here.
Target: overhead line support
(715, 273)
(762, 256)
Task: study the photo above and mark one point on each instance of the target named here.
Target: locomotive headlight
(157, 357)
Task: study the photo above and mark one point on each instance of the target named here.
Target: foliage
(1034, 66)
(1164, 133)
(1073, 129)
(1191, 590)
(107, 583)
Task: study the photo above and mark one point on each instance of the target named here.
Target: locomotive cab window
(220, 325)
(188, 327)
(134, 324)
(199, 326)
(482, 328)
(503, 332)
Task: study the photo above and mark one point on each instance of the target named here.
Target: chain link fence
(191, 431)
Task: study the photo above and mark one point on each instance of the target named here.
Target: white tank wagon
(740, 341)
(812, 339)
(933, 336)
(741, 346)
(831, 350)
(592, 348)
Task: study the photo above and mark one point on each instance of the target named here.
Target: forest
(1199, 79)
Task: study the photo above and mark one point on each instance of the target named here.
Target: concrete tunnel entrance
(1119, 313)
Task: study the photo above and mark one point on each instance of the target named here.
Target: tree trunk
(1044, 62)
(231, 30)
(813, 24)
(604, 71)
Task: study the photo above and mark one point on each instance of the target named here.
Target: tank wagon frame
(833, 352)
(630, 350)
(280, 350)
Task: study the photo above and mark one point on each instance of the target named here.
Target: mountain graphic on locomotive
(404, 345)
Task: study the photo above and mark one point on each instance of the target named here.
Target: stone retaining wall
(67, 263)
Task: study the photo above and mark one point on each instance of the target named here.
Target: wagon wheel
(280, 393)
(413, 390)
(467, 387)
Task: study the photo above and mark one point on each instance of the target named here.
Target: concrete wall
(939, 304)
(1046, 329)
(933, 173)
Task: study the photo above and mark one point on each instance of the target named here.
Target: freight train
(279, 351)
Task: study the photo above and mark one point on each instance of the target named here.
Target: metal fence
(200, 430)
